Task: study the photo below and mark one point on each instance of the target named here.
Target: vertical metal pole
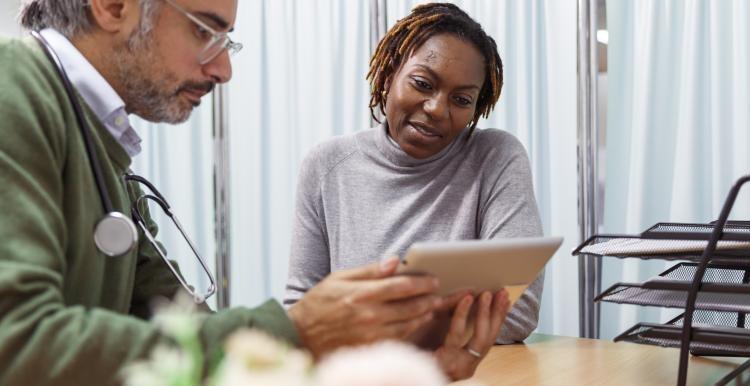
(589, 267)
(378, 22)
(221, 194)
(378, 28)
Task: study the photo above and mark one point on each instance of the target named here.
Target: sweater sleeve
(510, 210)
(44, 339)
(309, 259)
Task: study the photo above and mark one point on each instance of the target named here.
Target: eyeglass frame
(216, 36)
(139, 219)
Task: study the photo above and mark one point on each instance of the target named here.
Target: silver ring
(474, 353)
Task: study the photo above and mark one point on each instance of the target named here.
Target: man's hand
(364, 305)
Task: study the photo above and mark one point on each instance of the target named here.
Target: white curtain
(301, 79)
(8, 21)
(677, 124)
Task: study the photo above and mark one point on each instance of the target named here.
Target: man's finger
(403, 310)
(397, 288)
(381, 269)
(403, 329)
(451, 301)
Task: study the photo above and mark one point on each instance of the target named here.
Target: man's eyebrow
(216, 19)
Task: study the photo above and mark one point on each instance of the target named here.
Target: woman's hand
(469, 339)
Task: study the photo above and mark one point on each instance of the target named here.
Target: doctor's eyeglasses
(217, 41)
(141, 204)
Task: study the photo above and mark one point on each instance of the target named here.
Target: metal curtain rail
(221, 194)
(378, 28)
(589, 267)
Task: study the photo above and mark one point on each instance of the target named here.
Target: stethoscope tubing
(87, 140)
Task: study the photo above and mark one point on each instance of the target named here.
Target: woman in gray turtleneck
(424, 174)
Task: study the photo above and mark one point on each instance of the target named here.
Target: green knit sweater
(68, 314)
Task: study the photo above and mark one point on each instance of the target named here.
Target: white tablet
(481, 265)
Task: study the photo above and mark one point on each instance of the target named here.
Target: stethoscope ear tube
(87, 141)
(115, 234)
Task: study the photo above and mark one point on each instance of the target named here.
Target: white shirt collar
(103, 100)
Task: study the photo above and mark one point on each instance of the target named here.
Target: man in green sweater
(69, 315)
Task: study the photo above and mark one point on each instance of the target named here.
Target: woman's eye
(463, 101)
(422, 84)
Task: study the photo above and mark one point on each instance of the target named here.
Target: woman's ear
(386, 89)
(115, 15)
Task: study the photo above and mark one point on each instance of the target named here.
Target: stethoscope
(116, 234)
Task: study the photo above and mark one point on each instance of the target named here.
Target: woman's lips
(425, 131)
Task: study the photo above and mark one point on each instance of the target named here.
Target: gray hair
(72, 17)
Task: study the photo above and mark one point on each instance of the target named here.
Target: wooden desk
(557, 360)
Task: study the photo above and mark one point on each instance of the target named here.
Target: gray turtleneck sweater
(360, 197)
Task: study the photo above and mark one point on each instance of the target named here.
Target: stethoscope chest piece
(115, 234)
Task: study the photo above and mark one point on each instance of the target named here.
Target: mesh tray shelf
(706, 340)
(724, 289)
(734, 230)
(715, 273)
(625, 293)
(738, 257)
(716, 318)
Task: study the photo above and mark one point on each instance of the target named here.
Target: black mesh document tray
(730, 341)
(727, 256)
(724, 289)
(733, 230)
(714, 334)
(626, 293)
(713, 287)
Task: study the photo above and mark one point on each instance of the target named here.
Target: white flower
(166, 367)
(381, 364)
(233, 373)
(178, 318)
(255, 358)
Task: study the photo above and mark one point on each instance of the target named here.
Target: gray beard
(145, 86)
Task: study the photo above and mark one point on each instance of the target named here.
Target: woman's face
(433, 96)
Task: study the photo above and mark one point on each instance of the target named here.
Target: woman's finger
(482, 330)
(457, 331)
(500, 307)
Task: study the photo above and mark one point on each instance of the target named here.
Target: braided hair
(411, 32)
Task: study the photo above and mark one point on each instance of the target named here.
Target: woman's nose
(436, 107)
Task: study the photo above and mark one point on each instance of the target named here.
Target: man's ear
(115, 16)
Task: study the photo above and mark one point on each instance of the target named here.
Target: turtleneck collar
(393, 153)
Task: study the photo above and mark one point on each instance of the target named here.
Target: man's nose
(219, 68)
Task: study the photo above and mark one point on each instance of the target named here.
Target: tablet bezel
(481, 265)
